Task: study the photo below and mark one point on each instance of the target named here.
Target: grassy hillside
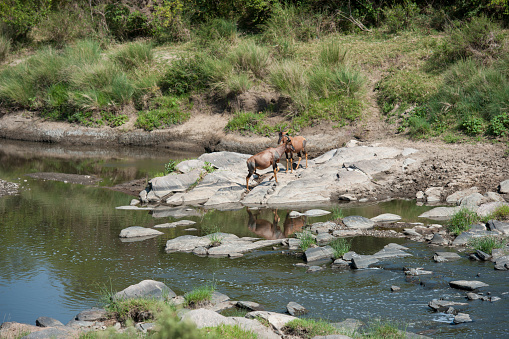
(268, 65)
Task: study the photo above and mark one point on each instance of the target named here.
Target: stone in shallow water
(386, 217)
(138, 231)
(467, 285)
(358, 222)
(295, 309)
(462, 318)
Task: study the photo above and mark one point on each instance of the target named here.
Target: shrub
(472, 125)
(125, 24)
(248, 122)
(488, 243)
(168, 325)
(136, 309)
(461, 221)
(340, 247)
(499, 125)
(401, 16)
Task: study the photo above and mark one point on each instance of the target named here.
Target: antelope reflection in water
(270, 229)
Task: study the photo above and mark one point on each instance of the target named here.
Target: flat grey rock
(249, 305)
(316, 213)
(499, 226)
(60, 332)
(462, 318)
(186, 243)
(490, 207)
(446, 256)
(277, 320)
(319, 254)
(176, 223)
(358, 222)
(386, 217)
(440, 213)
(138, 231)
(468, 285)
(364, 261)
(93, 314)
(456, 197)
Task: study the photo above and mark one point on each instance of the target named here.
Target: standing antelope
(271, 156)
(299, 145)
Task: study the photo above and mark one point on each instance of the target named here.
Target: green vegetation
(488, 243)
(340, 247)
(227, 332)
(137, 309)
(337, 213)
(461, 221)
(383, 329)
(200, 295)
(306, 239)
(500, 213)
(444, 68)
(309, 328)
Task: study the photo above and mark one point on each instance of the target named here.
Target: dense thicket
(55, 20)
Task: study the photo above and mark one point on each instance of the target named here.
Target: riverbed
(61, 252)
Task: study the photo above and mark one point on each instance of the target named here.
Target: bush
(461, 221)
(217, 29)
(401, 16)
(248, 122)
(125, 24)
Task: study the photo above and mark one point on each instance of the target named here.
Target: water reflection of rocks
(270, 229)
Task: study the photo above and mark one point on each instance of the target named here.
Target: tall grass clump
(383, 329)
(289, 77)
(331, 54)
(249, 56)
(134, 55)
(488, 243)
(288, 21)
(194, 73)
(461, 221)
(337, 213)
(340, 247)
(136, 309)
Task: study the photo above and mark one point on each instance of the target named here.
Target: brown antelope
(299, 145)
(271, 156)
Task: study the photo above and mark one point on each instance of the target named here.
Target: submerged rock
(295, 309)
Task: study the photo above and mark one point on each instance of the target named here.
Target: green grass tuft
(461, 221)
(306, 239)
(200, 295)
(309, 328)
(340, 247)
(488, 243)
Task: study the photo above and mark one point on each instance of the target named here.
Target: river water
(60, 252)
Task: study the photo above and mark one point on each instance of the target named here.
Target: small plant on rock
(337, 213)
(488, 243)
(306, 239)
(462, 220)
(309, 328)
(340, 247)
(200, 295)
